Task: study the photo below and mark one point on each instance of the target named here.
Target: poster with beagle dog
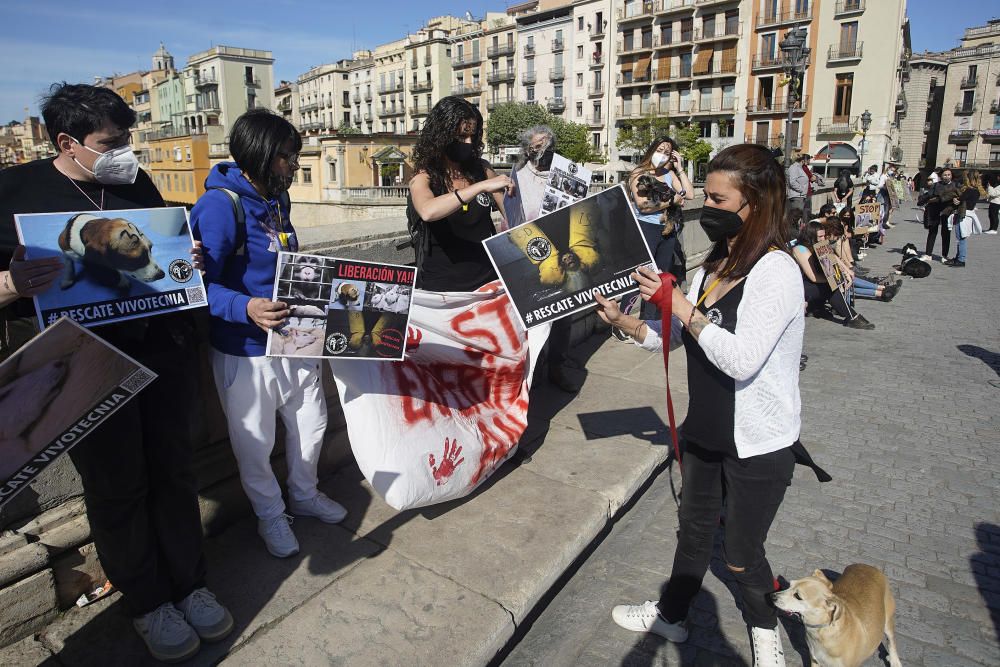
(118, 265)
(55, 391)
(341, 308)
(552, 266)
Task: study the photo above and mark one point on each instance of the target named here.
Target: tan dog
(111, 243)
(845, 619)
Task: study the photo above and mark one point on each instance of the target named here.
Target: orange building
(179, 165)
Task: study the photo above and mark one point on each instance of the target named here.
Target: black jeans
(139, 484)
(994, 212)
(819, 293)
(752, 489)
(663, 250)
(932, 231)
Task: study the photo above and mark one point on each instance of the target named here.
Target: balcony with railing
(599, 30)
(557, 73)
(845, 7)
(672, 39)
(629, 79)
(558, 45)
(391, 87)
(312, 106)
(669, 74)
(428, 61)
(726, 68)
(648, 43)
(356, 118)
(713, 33)
(638, 11)
(847, 125)
(991, 136)
(205, 80)
(703, 3)
(528, 78)
(635, 112)
(414, 63)
(844, 52)
(367, 117)
(501, 75)
(529, 47)
(393, 110)
(596, 89)
(356, 98)
(963, 109)
(494, 103)
(313, 127)
(969, 81)
(368, 96)
(987, 30)
(765, 61)
(961, 136)
(556, 104)
(777, 106)
(251, 81)
(714, 105)
(501, 50)
(420, 110)
(421, 86)
(465, 59)
(666, 7)
(778, 19)
(467, 89)
(597, 59)
(595, 120)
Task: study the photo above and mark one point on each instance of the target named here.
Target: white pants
(252, 390)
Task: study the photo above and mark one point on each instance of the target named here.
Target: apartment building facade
(223, 82)
(286, 101)
(389, 81)
(323, 99)
(593, 94)
(544, 59)
(360, 73)
(970, 120)
(428, 58)
(919, 129)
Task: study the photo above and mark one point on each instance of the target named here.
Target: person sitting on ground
(818, 292)
(836, 235)
(825, 211)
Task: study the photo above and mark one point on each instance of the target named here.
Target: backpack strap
(241, 219)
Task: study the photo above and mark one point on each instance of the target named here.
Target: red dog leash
(663, 299)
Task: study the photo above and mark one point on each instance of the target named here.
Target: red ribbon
(663, 299)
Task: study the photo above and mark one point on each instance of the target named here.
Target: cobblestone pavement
(905, 419)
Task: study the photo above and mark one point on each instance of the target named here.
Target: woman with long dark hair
(241, 248)
(453, 192)
(659, 219)
(741, 325)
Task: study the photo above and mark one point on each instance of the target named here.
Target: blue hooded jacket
(234, 279)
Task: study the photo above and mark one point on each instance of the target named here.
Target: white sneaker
(990, 231)
(209, 619)
(278, 536)
(321, 507)
(646, 617)
(767, 650)
(943, 259)
(167, 635)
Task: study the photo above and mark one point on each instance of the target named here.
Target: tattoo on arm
(698, 324)
(6, 281)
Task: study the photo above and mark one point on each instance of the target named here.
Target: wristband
(459, 198)
(690, 317)
(635, 334)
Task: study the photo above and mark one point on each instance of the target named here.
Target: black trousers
(932, 231)
(753, 489)
(994, 212)
(819, 293)
(139, 484)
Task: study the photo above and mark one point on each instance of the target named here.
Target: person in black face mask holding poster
(453, 193)
(741, 325)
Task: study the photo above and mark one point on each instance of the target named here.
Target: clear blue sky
(53, 40)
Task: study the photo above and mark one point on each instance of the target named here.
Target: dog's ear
(833, 606)
(822, 577)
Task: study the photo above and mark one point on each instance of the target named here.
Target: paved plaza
(905, 419)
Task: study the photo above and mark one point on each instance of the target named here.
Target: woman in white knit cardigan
(741, 324)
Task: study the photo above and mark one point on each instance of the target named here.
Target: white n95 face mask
(118, 166)
(659, 159)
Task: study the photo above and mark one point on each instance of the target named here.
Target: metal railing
(501, 50)
(595, 119)
(622, 46)
(718, 69)
(391, 87)
(393, 111)
(421, 86)
(557, 73)
(633, 80)
(844, 52)
(778, 106)
(501, 75)
(597, 59)
(466, 59)
(594, 89)
(205, 80)
(529, 78)
(706, 33)
(558, 45)
(767, 20)
(838, 125)
(767, 61)
(961, 136)
(467, 89)
(848, 7)
(420, 110)
(395, 194)
(556, 104)
(969, 81)
(962, 109)
(493, 104)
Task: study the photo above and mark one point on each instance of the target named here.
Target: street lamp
(794, 64)
(866, 122)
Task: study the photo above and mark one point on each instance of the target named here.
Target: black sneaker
(888, 293)
(859, 322)
(955, 263)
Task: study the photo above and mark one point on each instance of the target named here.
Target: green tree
(346, 128)
(639, 134)
(693, 147)
(509, 119)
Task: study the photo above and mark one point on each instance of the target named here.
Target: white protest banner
(119, 265)
(55, 391)
(436, 425)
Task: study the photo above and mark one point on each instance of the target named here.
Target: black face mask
(460, 152)
(543, 161)
(720, 224)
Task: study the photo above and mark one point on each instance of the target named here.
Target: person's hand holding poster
(341, 308)
(53, 392)
(117, 265)
(552, 266)
(866, 218)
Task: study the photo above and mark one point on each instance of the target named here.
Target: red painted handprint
(450, 461)
(413, 338)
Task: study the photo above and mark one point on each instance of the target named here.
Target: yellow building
(179, 166)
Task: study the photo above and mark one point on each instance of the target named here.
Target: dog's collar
(816, 625)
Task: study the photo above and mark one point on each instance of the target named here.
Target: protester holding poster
(818, 291)
(531, 175)
(136, 468)
(741, 325)
(242, 238)
(453, 193)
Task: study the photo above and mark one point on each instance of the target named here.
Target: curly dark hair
(439, 131)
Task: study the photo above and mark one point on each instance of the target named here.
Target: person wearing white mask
(136, 468)
(662, 161)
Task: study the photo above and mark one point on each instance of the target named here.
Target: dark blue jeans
(751, 490)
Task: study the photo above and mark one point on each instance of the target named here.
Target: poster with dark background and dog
(551, 266)
(119, 265)
(341, 308)
(53, 392)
